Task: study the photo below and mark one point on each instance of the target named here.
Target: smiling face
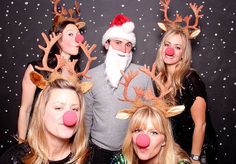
(157, 140)
(174, 44)
(59, 102)
(68, 42)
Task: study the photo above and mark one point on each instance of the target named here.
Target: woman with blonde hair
(149, 136)
(149, 140)
(56, 131)
(173, 64)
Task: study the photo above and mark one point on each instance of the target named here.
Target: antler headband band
(191, 31)
(146, 98)
(67, 15)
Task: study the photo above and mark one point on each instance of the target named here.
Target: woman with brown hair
(64, 42)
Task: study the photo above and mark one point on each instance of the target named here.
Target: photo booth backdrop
(214, 53)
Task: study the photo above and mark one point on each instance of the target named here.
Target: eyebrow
(174, 44)
(117, 40)
(63, 103)
(71, 30)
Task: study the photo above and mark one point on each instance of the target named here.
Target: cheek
(134, 136)
(156, 146)
(128, 49)
(64, 43)
(116, 46)
(158, 141)
(49, 121)
(78, 117)
(179, 53)
(163, 50)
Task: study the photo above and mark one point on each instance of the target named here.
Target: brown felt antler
(64, 14)
(85, 47)
(56, 73)
(146, 97)
(49, 43)
(191, 30)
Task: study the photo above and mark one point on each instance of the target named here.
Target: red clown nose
(79, 38)
(170, 51)
(70, 118)
(143, 140)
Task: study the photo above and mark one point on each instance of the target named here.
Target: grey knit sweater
(102, 104)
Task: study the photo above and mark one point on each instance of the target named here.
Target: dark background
(214, 53)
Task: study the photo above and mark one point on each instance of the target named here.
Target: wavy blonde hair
(36, 135)
(181, 69)
(170, 153)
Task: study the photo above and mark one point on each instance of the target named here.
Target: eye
(76, 109)
(154, 132)
(58, 108)
(166, 44)
(71, 34)
(118, 42)
(129, 45)
(178, 48)
(137, 131)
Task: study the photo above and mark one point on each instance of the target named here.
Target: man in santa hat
(103, 100)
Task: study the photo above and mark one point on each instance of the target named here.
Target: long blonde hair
(36, 135)
(181, 69)
(168, 153)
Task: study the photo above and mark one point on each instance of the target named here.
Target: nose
(123, 48)
(79, 38)
(170, 51)
(143, 140)
(70, 118)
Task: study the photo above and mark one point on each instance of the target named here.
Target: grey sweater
(102, 105)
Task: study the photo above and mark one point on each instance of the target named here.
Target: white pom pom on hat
(121, 27)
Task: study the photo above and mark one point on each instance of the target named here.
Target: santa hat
(121, 27)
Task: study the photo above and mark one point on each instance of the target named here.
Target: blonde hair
(181, 69)
(169, 153)
(36, 135)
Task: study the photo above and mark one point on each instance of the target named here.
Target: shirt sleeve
(197, 86)
(88, 116)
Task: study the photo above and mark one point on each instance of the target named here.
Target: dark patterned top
(120, 159)
(183, 124)
(16, 153)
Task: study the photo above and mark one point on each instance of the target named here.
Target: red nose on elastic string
(170, 51)
(143, 140)
(79, 38)
(70, 118)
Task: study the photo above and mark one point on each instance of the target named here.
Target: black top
(183, 124)
(15, 154)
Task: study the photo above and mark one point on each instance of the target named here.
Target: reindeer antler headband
(191, 31)
(146, 98)
(67, 15)
(73, 76)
